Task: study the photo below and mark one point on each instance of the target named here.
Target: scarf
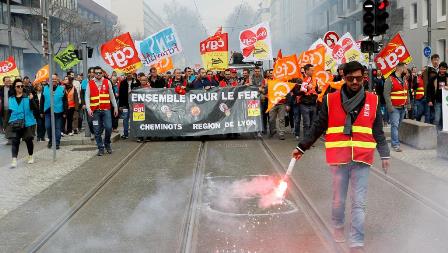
(349, 105)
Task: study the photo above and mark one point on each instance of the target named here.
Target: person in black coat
(155, 80)
(125, 88)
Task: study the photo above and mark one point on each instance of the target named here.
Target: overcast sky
(213, 12)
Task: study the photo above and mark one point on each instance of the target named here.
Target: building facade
(415, 28)
(72, 22)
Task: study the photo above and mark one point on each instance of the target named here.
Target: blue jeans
(308, 112)
(421, 108)
(297, 119)
(396, 116)
(57, 126)
(102, 120)
(385, 114)
(125, 117)
(357, 174)
(438, 120)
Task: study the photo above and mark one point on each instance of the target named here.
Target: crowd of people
(102, 99)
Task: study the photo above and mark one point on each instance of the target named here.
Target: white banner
(160, 45)
(255, 43)
(347, 50)
(445, 109)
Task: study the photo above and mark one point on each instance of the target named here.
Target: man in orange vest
(100, 99)
(421, 105)
(352, 120)
(397, 99)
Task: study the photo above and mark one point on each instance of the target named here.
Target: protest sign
(8, 68)
(67, 58)
(120, 54)
(392, 54)
(255, 43)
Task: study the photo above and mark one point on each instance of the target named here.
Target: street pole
(86, 75)
(429, 43)
(47, 17)
(9, 28)
(328, 20)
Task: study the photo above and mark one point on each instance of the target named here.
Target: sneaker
(140, 140)
(259, 135)
(70, 134)
(397, 149)
(57, 147)
(339, 235)
(30, 159)
(62, 134)
(14, 163)
(49, 145)
(109, 150)
(358, 249)
(92, 138)
(297, 138)
(281, 137)
(100, 153)
(124, 137)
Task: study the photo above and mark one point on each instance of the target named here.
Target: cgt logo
(392, 59)
(120, 58)
(7, 66)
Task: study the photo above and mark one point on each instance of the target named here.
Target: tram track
(322, 228)
(37, 244)
(191, 217)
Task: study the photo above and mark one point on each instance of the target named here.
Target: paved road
(198, 197)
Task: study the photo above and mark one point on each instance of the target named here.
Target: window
(425, 13)
(414, 15)
(441, 10)
(441, 49)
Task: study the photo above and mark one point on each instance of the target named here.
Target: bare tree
(188, 27)
(241, 18)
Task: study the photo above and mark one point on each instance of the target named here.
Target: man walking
(397, 98)
(352, 120)
(126, 86)
(60, 105)
(308, 98)
(100, 99)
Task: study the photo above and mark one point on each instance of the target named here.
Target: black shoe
(109, 150)
(124, 137)
(140, 140)
(281, 137)
(147, 139)
(271, 134)
(49, 145)
(57, 147)
(100, 153)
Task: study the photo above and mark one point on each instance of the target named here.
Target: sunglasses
(98, 73)
(352, 78)
(19, 86)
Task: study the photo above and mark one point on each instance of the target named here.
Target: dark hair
(98, 67)
(247, 70)
(401, 64)
(353, 66)
(152, 68)
(307, 67)
(257, 67)
(4, 78)
(70, 71)
(297, 80)
(90, 69)
(168, 73)
(435, 56)
(18, 80)
(26, 77)
(140, 74)
(186, 68)
(341, 66)
(443, 65)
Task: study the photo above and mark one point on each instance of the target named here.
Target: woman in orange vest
(72, 104)
(352, 120)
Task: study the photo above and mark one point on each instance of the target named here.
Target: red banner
(120, 54)
(8, 68)
(392, 54)
(215, 52)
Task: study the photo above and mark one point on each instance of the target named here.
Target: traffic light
(45, 37)
(369, 18)
(381, 16)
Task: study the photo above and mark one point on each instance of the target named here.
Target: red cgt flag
(120, 54)
(392, 54)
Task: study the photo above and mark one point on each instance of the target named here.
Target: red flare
(281, 189)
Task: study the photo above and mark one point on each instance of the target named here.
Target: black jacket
(320, 125)
(434, 94)
(158, 83)
(123, 92)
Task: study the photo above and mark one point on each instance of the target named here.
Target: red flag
(279, 54)
(219, 31)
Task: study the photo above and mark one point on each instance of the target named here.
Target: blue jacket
(58, 99)
(21, 111)
(200, 84)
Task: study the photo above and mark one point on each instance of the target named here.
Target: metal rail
(191, 217)
(67, 216)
